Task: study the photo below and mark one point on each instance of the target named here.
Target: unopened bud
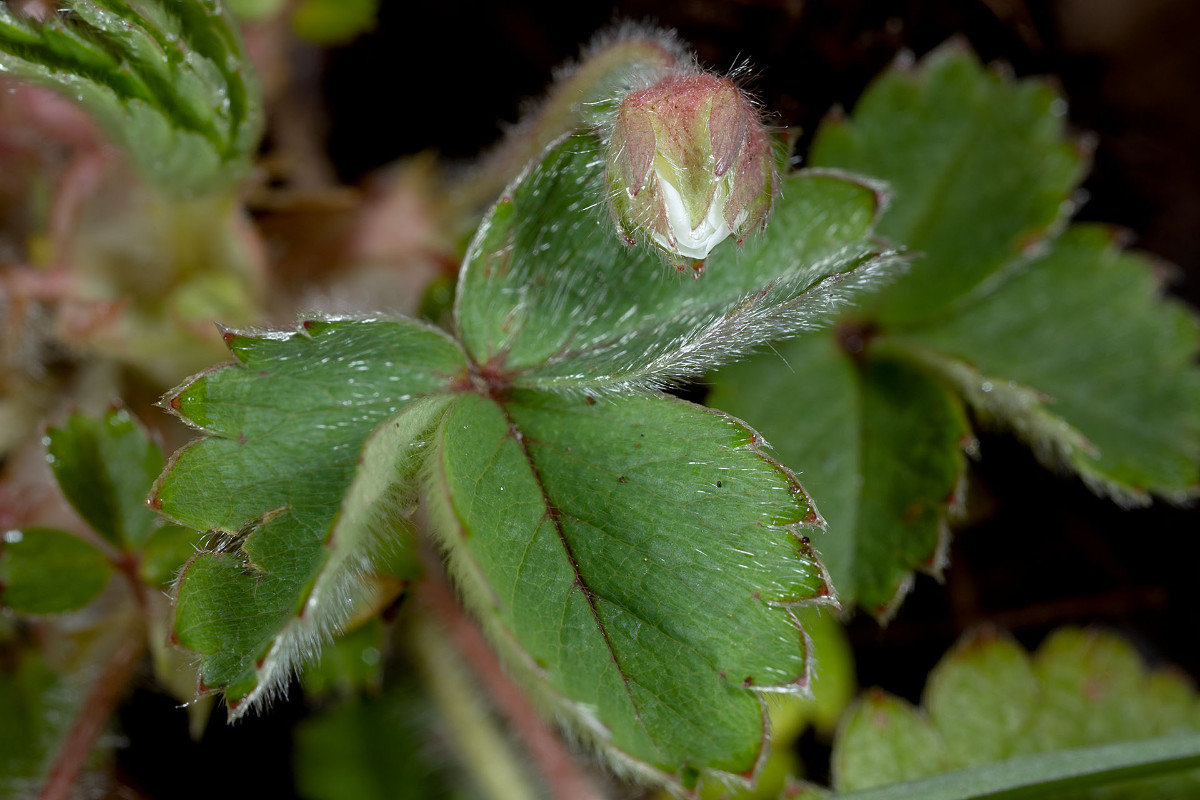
(689, 164)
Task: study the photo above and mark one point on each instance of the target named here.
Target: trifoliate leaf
(304, 484)
(105, 468)
(48, 571)
(988, 701)
(880, 442)
(978, 164)
(551, 297)
(1080, 356)
(169, 81)
(636, 559)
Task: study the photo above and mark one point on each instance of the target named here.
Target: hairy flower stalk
(689, 164)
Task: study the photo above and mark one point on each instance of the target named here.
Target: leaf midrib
(552, 514)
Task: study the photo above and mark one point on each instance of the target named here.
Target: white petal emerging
(691, 242)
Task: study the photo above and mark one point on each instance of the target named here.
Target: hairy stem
(565, 108)
(481, 745)
(558, 769)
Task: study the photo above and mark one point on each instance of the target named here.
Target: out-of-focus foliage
(167, 80)
(988, 701)
(1058, 337)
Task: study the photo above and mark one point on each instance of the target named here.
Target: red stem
(98, 706)
(559, 770)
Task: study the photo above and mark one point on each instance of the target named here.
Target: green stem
(482, 747)
(463, 643)
(1049, 775)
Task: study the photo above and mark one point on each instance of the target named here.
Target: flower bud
(689, 163)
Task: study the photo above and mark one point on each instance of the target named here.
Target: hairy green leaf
(105, 468)
(551, 297)
(1081, 357)
(880, 443)
(987, 701)
(48, 571)
(636, 559)
(978, 165)
(278, 477)
(169, 81)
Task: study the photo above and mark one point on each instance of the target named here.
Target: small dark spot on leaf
(262, 373)
(719, 484)
(241, 438)
(804, 540)
(622, 479)
(748, 681)
(156, 502)
(591, 401)
(175, 402)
